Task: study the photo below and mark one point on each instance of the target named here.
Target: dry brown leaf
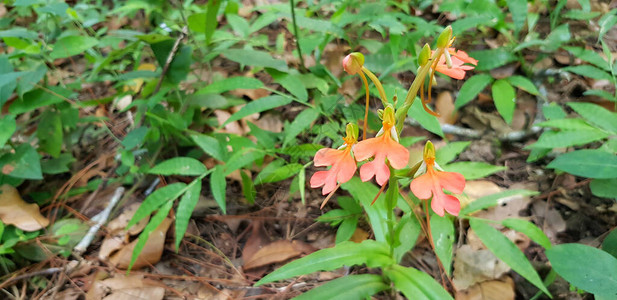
(444, 106)
(477, 189)
(151, 252)
(125, 288)
(274, 252)
(489, 290)
(473, 266)
(233, 127)
(359, 235)
(15, 211)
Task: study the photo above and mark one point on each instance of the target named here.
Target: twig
(293, 20)
(99, 219)
(171, 56)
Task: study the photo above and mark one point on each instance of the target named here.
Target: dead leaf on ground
(489, 290)
(473, 266)
(125, 288)
(15, 211)
(507, 207)
(477, 189)
(551, 218)
(444, 106)
(151, 252)
(277, 251)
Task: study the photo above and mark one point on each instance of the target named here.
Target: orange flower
(384, 145)
(453, 63)
(433, 182)
(342, 162)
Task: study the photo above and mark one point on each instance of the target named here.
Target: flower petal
(422, 186)
(451, 204)
(367, 171)
(366, 148)
(383, 172)
(397, 154)
(347, 167)
(437, 203)
(318, 179)
(451, 181)
(455, 73)
(327, 157)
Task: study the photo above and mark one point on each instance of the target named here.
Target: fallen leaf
(359, 235)
(15, 211)
(151, 252)
(274, 252)
(125, 288)
(473, 266)
(489, 290)
(444, 106)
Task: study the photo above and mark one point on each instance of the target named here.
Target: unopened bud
(388, 115)
(352, 132)
(429, 152)
(444, 37)
(425, 54)
(353, 63)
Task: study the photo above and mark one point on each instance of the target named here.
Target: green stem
(295, 25)
(401, 113)
(375, 80)
(391, 197)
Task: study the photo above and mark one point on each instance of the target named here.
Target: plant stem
(375, 80)
(366, 109)
(295, 25)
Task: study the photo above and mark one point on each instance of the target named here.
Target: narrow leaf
(504, 97)
(218, 186)
(530, 230)
(145, 234)
(186, 205)
(471, 88)
(492, 200)
(587, 163)
(299, 124)
(159, 197)
(415, 284)
(370, 252)
(442, 231)
(507, 251)
(597, 115)
(186, 166)
(257, 106)
(350, 287)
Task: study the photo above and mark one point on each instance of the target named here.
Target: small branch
(295, 25)
(171, 56)
(100, 219)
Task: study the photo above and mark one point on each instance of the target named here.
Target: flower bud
(429, 153)
(425, 54)
(353, 63)
(388, 115)
(352, 133)
(444, 37)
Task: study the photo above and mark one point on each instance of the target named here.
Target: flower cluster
(383, 153)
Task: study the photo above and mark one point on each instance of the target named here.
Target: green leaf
(346, 229)
(8, 125)
(218, 186)
(29, 79)
(602, 94)
(530, 230)
(50, 133)
(230, 84)
(607, 22)
(471, 88)
(293, 84)
(597, 115)
(211, 21)
(181, 63)
(606, 188)
(156, 220)
(415, 284)
(57, 165)
(589, 71)
(278, 174)
(518, 9)
(155, 200)
(39, 98)
(566, 124)
(302, 184)
(504, 97)
(257, 106)
(589, 56)
(493, 200)
(507, 251)
(255, 58)
(302, 121)
(209, 145)
(135, 137)
(369, 252)
(25, 162)
(406, 234)
(428, 121)
(449, 152)
(248, 188)
(186, 205)
(442, 231)
(585, 267)
(238, 24)
(587, 163)
(186, 166)
(72, 45)
(610, 243)
(242, 158)
(365, 192)
(524, 84)
(494, 58)
(350, 287)
(473, 169)
(568, 138)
